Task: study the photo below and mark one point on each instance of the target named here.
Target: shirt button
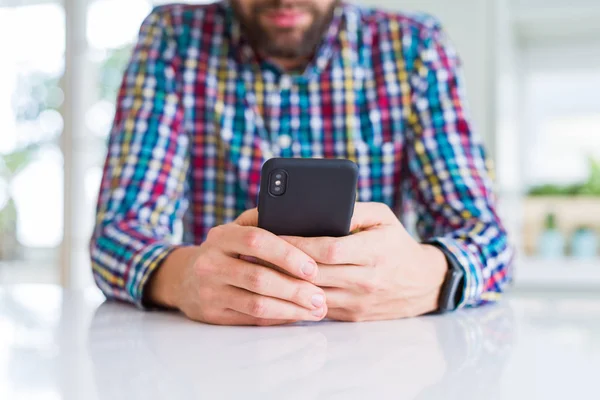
(285, 83)
(285, 141)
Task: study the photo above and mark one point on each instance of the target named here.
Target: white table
(68, 345)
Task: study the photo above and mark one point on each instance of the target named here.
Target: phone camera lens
(278, 183)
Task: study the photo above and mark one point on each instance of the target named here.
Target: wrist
(164, 284)
(435, 263)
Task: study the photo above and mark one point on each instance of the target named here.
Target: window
(31, 187)
(31, 124)
(112, 28)
(561, 149)
(564, 126)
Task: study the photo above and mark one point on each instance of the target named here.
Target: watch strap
(452, 290)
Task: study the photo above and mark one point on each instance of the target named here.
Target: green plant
(111, 72)
(8, 216)
(555, 190)
(592, 186)
(589, 188)
(12, 163)
(550, 222)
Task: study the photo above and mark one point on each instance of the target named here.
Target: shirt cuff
(147, 262)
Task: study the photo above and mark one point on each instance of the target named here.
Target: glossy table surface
(71, 345)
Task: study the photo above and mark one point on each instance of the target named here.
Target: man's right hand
(212, 284)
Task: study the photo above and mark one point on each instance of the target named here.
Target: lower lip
(285, 19)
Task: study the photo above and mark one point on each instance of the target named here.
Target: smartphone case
(318, 201)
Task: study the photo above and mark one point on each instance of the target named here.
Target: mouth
(286, 18)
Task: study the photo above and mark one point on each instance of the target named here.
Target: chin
(294, 34)
(285, 39)
(290, 50)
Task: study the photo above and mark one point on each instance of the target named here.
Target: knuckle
(298, 294)
(288, 256)
(368, 286)
(333, 253)
(258, 308)
(258, 280)
(254, 240)
(215, 234)
(372, 283)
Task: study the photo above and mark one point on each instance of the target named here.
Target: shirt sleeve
(449, 173)
(143, 185)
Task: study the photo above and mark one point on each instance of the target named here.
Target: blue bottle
(584, 243)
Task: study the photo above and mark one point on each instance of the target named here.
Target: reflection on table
(156, 356)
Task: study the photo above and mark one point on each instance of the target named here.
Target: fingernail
(318, 300)
(309, 268)
(318, 313)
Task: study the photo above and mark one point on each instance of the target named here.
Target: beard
(287, 43)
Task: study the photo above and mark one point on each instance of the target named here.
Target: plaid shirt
(199, 113)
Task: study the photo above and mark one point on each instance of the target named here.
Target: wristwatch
(454, 283)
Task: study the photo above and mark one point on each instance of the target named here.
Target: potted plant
(10, 166)
(551, 244)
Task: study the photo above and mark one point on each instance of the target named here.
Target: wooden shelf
(571, 213)
(565, 273)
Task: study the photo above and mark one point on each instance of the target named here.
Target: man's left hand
(378, 273)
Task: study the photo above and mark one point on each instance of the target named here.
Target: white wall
(470, 25)
(508, 65)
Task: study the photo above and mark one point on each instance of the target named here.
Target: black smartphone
(307, 197)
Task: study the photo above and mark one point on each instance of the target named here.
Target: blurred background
(533, 79)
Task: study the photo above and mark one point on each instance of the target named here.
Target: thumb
(248, 218)
(369, 215)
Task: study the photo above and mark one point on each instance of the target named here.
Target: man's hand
(379, 273)
(217, 283)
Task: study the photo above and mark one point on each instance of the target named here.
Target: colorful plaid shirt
(199, 113)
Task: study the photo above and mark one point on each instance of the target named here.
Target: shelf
(560, 274)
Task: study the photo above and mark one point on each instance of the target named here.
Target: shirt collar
(344, 21)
